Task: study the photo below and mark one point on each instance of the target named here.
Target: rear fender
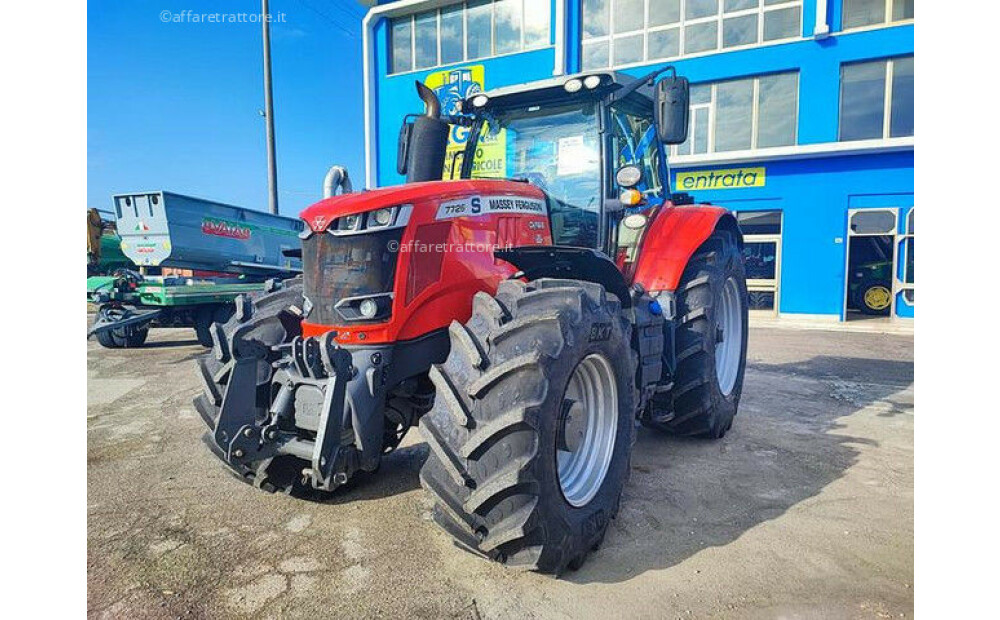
(673, 236)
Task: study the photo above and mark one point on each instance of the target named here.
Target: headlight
(480, 100)
(386, 218)
(573, 86)
(368, 308)
(382, 217)
(592, 81)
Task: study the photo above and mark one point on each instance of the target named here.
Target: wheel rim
(877, 297)
(588, 425)
(729, 339)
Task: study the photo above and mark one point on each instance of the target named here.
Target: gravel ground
(805, 509)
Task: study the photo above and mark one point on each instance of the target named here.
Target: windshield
(555, 148)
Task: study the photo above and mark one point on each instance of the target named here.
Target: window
(876, 99)
(737, 115)
(621, 32)
(863, 13)
(761, 256)
(908, 264)
(467, 31)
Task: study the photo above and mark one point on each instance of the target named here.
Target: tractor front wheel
(533, 423)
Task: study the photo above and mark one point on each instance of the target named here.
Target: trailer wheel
(129, 337)
(711, 337)
(533, 423)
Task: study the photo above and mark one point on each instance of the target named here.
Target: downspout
(560, 47)
(822, 28)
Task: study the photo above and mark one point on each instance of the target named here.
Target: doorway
(871, 264)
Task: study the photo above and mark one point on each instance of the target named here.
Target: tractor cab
(594, 143)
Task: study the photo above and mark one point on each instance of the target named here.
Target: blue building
(802, 117)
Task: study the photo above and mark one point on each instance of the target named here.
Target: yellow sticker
(452, 86)
(730, 178)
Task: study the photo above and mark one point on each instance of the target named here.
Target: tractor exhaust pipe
(432, 106)
(424, 144)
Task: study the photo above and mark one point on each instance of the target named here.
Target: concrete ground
(804, 510)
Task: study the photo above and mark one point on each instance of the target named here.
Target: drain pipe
(335, 177)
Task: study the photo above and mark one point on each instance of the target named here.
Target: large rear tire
(533, 423)
(711, 337)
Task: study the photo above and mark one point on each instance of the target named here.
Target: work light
(573, 86)
(592, 81)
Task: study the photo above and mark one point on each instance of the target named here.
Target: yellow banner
(452, 86)
(730, 178)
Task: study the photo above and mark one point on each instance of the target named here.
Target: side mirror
(673, 96)
(403, 145)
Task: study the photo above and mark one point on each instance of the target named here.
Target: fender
(672, 238)
(558, 261)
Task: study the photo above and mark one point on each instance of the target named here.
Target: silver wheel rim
(587, 426)
(729, 340)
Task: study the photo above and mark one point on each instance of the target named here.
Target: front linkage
(296, 414)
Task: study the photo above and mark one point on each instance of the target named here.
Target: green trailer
(244, 250)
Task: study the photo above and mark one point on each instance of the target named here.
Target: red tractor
(524, 323)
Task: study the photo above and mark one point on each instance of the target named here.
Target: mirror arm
(631, 88)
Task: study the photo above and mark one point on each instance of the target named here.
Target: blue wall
(814, 194)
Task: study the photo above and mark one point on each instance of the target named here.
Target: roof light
(592, 81)
(480, 101)
(573, 86)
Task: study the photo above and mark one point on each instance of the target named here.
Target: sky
(174, 103)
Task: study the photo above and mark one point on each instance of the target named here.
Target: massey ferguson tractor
(526, 322)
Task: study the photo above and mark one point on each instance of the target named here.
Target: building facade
(801, 118)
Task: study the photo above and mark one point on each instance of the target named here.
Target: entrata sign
(732, 178)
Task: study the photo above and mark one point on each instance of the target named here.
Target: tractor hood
(321, 214)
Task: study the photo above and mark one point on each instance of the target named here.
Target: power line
(325, 17)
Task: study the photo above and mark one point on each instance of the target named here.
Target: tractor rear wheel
(533, 423)
(711, 337)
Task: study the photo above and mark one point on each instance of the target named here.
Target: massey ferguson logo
(319, 222)
(223, 228)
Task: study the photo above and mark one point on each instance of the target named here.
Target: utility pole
(272, 166)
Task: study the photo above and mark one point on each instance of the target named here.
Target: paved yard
(804, 510)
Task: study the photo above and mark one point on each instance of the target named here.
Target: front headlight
(386, 218)
(382, 217)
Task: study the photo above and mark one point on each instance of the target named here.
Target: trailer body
(164, 229)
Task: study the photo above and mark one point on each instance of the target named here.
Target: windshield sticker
(574, 157)
(485, 205)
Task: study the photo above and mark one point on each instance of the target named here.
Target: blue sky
(174, 105)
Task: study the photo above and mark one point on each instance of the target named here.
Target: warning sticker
(484, 205)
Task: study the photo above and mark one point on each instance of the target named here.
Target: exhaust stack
(426, 141)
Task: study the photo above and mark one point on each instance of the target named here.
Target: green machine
(239, 252)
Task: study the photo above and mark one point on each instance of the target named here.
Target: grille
(337, 267)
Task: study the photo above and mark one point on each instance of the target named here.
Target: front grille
(338, 267)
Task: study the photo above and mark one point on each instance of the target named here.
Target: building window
(761, 257)
(876, 99)
(738, 115)
(622, 32)
(864, 13)
(467, 31)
